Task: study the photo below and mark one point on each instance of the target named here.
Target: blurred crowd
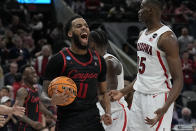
(174, 11)
(25, 38)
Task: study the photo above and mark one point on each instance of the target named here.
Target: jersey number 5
(141, 64)
(82, 90)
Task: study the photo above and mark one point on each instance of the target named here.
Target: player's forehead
(79, 21)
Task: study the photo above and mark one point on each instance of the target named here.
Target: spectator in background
(58, 38)
(27, 39)
(187, 67)
(17, 84)
(37, 26)
(92, 7)
(78, 6)
(186, 117)
(1, 77)
(184, 39)
(168, 12)
(18, 53)
(117, 12)
(3, 51)
(16, 24)
(42, 60)
(9, 78)
(4, 92)
(37, 51)
(183, 13)
(8, 36)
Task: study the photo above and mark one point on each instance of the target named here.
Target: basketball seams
(62, 84)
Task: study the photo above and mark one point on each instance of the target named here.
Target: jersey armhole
(99, 61)
(64, 62)
(161, 51)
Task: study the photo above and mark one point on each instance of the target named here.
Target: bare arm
(105, 101)
(114, 68)
(5, 110)
(168, 43)
(45, 86)
(20, 97)
(45, 111)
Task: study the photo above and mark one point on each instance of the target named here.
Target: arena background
(32, 25)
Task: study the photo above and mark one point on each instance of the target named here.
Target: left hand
(159, 114)
(106, 118)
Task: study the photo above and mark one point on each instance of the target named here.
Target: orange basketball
(62, 84)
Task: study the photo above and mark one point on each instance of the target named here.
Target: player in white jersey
(115, 81)
(158, 56)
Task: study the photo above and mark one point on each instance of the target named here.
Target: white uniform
(152, 84)
(119, 108)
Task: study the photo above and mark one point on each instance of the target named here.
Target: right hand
(37, 125)
(18, 110)
(59, 98)
(115, 95)
(2, 121)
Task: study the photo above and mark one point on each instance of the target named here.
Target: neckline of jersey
(153, 31)
(79, 62)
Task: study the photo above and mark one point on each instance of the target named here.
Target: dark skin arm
(45, 86)
(45, 111)
(111, 77)
(20, 97)
(105, 102)
(117, 94)
(113, 69)
(168, 44)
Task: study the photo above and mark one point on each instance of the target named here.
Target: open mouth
(84, 36)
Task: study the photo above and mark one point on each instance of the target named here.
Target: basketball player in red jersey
(87, 69)
(158, 63)
(28, 97)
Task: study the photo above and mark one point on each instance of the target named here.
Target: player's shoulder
(58, 56)
(167, 40)
(113, 63)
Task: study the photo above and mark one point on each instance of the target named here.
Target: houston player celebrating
(158, 62)
(87, 69)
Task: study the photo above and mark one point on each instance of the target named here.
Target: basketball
(63, 84)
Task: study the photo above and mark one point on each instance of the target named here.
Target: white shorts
(144, 105)
(119, 119)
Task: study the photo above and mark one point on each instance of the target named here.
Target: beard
(77, 42)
